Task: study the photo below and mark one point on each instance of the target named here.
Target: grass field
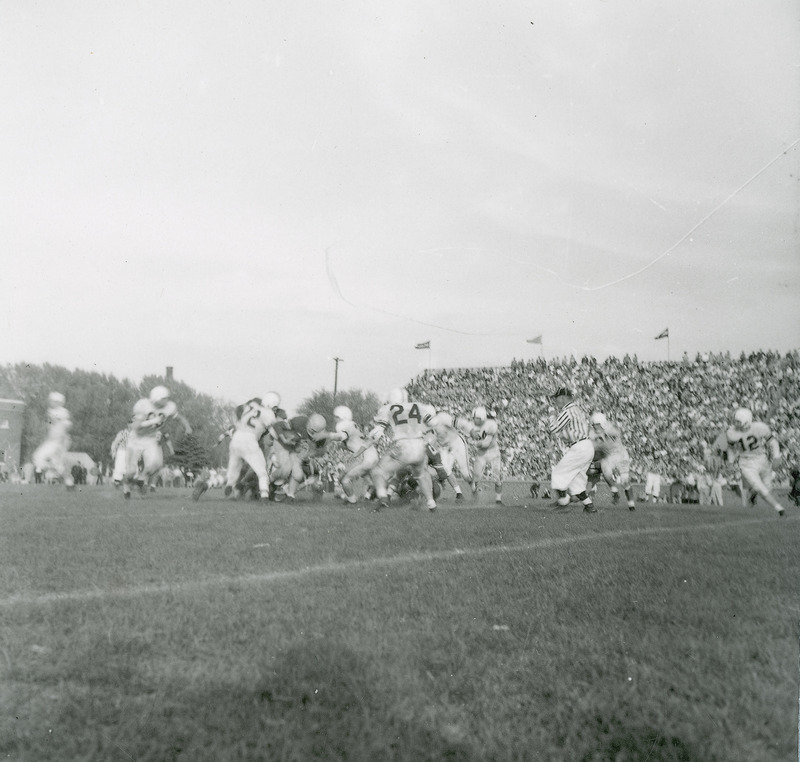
(163, 629)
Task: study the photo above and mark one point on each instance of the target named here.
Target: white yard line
(349, 566)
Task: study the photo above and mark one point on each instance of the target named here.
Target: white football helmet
(343, 413)
(316, 423)
(159, 395)
(271, 400)
(598, 419)
(397, 396)
(479, 415)
(55, 399)
(742, 419)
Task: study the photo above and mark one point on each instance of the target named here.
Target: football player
(305, 438)
(755, 447)
(452, 447)
(49, 456)
(483, 434)
(348, 433)
(252, 422)
(613, 458)
(407, 421)
(150, 414)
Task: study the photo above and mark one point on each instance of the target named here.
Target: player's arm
(463, 426)
(372, 438)
(227, 434)
(187, 429)
(774, 449)
(487, 436)
(340, 435)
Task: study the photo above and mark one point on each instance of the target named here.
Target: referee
(571, 427)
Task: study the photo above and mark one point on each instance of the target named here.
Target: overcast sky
(247, 190)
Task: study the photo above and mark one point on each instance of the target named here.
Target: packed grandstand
(670, 412)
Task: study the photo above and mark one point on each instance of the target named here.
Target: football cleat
(199, 489)
(589, 508)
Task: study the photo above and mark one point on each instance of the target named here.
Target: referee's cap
(562, 391)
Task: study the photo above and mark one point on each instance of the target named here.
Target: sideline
(349, 566)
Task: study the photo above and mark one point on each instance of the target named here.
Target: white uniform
(49, 456)
(348, 433)
(451, 443)
(408, 422)
(615, 462)
(251, 425)
(484, 437)
(753, 447)
(144, 440)
(353, 439)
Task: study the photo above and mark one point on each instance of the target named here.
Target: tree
(363, 404)
(189, 455)
(101, 405)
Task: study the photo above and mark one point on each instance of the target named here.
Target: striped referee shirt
(572, 423)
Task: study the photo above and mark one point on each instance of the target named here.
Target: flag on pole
(535, 339)
(424, 345)
(663, 335)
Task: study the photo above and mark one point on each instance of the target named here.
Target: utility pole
(337, 360)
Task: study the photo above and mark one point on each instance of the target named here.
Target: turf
(165, 629)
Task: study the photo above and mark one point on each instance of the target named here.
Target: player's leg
(419, 469)
(152, 463)
(448, 462)
(133, 454)
(578, 460)
(497, 469)
(386, 469)
(754, 477)
(235, 463)
(296, 475)
(256, 460)
(361, 469)
(478, 467)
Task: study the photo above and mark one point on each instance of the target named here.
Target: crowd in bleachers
(669, 412)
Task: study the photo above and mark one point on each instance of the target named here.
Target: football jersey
(408, 420)
(254, 419)
(148, 419)
(446, 427)
(353, 438)
(608, 441)
(58, 423)
(485, 435)
(750, 444)
(306, 444)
